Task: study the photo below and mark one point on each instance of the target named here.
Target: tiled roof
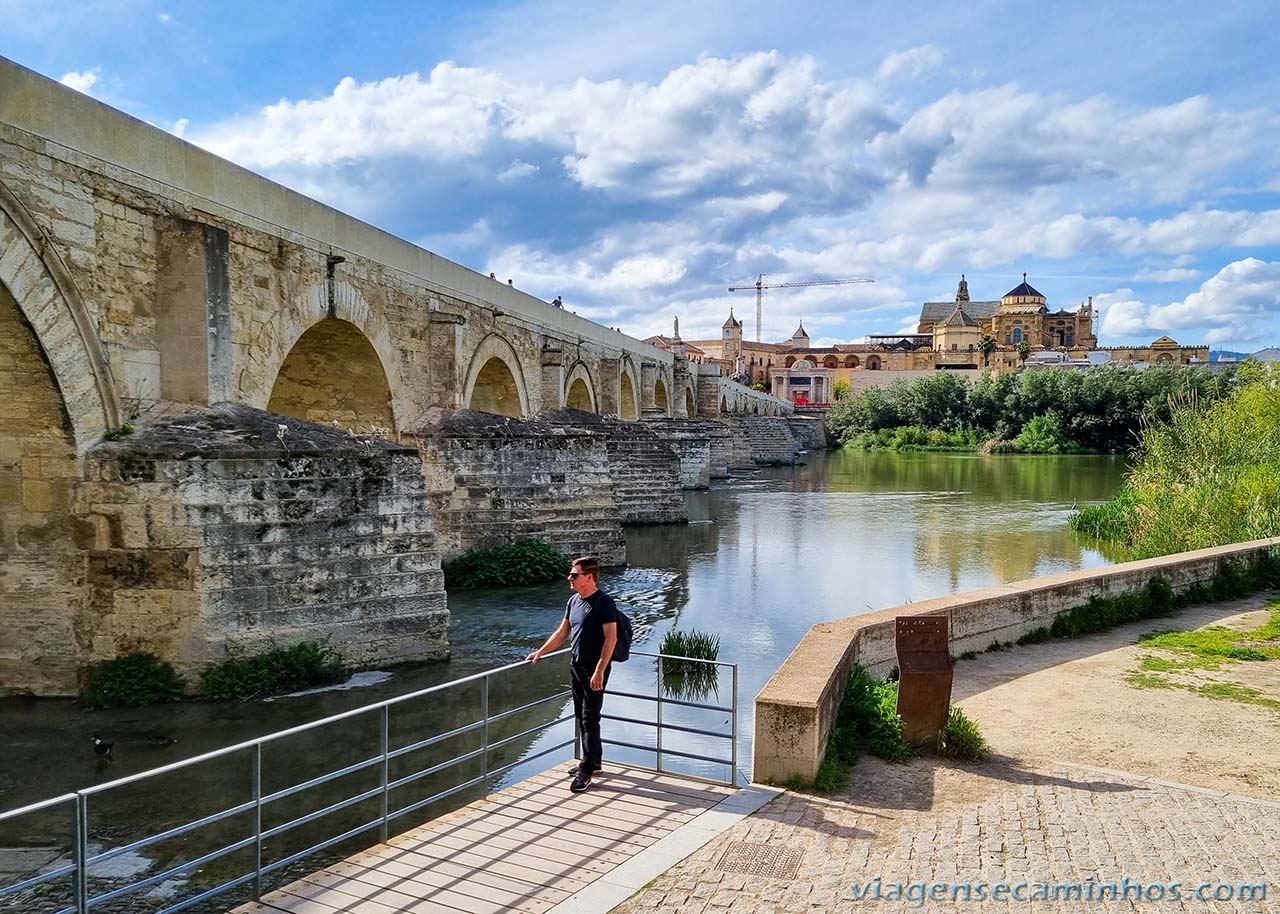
(936, 311)
(959, 318)
(1024, 288)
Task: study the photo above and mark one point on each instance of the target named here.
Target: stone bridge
(214, 394)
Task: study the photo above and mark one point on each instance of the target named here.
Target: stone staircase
(645, 470)
(493, 480)
(772, 443)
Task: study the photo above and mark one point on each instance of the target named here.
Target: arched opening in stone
(724, 405)
(660, 397)
(755, 409)
(873, 363)
(791, 360)
(851, 361)
(579, 397)
(495, 390)
(1164, 358)
(627, 409)
(333, 374)
(830, 362)
(41, 589)
(690, 409)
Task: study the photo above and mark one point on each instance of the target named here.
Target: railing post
(484, 734)
(257, 821)
(386, 761)
(659, 726)
(82, 853)
(733, 773)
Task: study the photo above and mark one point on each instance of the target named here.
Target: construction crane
(760, 286)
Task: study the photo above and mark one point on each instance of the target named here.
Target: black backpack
(622, 649)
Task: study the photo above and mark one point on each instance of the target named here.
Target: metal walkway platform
(529, 848)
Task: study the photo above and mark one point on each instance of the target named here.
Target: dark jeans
(586, 709)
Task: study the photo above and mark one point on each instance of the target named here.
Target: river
(763, 558)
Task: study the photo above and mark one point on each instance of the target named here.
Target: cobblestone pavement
(991, 822)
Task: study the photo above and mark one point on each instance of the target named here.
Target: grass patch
(688, 679)
(527, 561)
(1217, 641)
(281, 669)
(131, 681)
(961, 739)
(1140, 680)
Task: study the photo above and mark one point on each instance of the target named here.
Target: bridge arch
(46, 296)
(495, 383)
(660, 397)
(266, 356)
(358, 397)
(628, 398)
(579, 389)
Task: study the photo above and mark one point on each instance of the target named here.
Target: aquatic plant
(281, 669)
(527, 561)
(131, 681)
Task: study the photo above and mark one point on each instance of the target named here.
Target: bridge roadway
(533, 847)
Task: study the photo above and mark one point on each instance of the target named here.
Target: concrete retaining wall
(795, 710)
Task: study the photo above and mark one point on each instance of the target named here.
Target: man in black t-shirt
(591, 623)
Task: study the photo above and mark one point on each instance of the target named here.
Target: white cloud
(180, 126)
(517, 170)
(164, 18)
(82, 80)
(1172, 274)
(912, 63)
(1235, 304)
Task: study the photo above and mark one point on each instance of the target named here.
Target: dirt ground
(1069, 701)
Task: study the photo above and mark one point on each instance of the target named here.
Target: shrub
(1043, 435)
(961, 738)
(1207, 473)
(280, 669)
(527, 561)
(131, 681)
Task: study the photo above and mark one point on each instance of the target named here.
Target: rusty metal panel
(924, 687)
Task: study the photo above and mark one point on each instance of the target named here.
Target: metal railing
(78, 803)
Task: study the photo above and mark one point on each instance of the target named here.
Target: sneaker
(573, 771)
(580, 783)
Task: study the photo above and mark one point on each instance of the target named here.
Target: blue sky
(640, 158)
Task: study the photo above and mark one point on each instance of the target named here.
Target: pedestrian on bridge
(591, 623)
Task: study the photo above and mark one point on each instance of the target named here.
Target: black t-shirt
(587, 618)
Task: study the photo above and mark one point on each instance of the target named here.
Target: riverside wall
(796, 709)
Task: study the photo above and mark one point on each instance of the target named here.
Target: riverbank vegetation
(137, 679)
(1206, 475)
(868, 722)
(527, 561)
(1043, 411)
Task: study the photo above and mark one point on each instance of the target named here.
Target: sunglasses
(574, 575)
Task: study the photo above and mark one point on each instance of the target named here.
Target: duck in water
(102, 748)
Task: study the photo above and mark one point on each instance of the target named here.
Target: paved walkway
(1049, 806)
(988, 822)
(532, 848)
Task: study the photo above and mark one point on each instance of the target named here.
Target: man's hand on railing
(534, 656)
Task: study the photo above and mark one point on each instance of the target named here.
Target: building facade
(950, 335)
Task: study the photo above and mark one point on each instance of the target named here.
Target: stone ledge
(795, 710)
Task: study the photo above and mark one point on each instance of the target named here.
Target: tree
(986, 345)
(841, 389)
(1024, 351)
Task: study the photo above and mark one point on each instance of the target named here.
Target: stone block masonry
(235, 528)
(645, 470)
(772, 443)
(492, 480)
